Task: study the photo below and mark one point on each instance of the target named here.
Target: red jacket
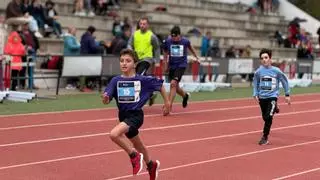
(16, 49)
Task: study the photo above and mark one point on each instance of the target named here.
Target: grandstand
(216, 137)
(229, 23)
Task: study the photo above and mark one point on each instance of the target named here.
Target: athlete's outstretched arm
(193, 52)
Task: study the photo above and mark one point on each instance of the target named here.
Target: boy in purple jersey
(176, 51)
(131, 92)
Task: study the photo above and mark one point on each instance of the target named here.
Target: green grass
(90, 101)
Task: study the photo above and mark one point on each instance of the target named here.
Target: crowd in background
(42, 20)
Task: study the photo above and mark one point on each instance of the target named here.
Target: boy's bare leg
(140, 147)
(118, 137)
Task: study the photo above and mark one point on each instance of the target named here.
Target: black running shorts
(134, 119)
(176, 74)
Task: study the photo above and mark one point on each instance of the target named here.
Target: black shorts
(143, 67)
(176, 74)
(134, 119)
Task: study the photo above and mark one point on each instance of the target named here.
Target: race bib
(128, 91)
(268, 83)
(176, 50)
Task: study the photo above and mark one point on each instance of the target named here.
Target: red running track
(208, 140)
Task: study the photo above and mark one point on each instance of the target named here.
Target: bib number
(268, 83)
(176, 50)
(128, 91)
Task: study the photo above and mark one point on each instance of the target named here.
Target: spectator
(33, 25)
(215, 48)
(117, 27)
(231, 52)
(52, 18)
(71, 44)
(88, 3)
(25, 6)
(205, 44)
(139, 3)
(294, 30)
(265, 6)
(71, 48)
(3, 39)
(38, 13)
(13, 9)
(88, 43)
(15, 48)
(78, 8)
(100, 7)
(127, 24)
(304, 46)
(120, 42)
(115, 4)
(88, 46)
(31, 42)
(246, 52)
(279, 38)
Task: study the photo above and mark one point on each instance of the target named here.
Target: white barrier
(16, 99)
(199, 87)
(17, 96)
(3, 95)
(82, 66)
(22, 95)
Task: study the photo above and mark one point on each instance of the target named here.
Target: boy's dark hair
(175, 31)
(91, 29)
(131, 53)
(264, 50)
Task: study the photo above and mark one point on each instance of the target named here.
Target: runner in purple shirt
(131, 92)
(175, 58)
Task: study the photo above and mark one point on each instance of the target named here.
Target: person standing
(147, 47)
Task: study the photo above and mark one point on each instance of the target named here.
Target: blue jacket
(89, 45)
(71, 45)
(205, 44)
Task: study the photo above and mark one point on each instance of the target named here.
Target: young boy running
(131, 92)
(176, 50)
(266, 90)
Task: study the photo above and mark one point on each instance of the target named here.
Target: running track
(212, 140)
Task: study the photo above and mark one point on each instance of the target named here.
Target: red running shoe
(137, 163)
(153, 169)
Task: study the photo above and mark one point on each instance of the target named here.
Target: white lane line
(297, 174)
(114, 108)
(149, 115)
(152, 128)
(154, 146)
(223, 158)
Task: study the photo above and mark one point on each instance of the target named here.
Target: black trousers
(268, 107)
(18, 74)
